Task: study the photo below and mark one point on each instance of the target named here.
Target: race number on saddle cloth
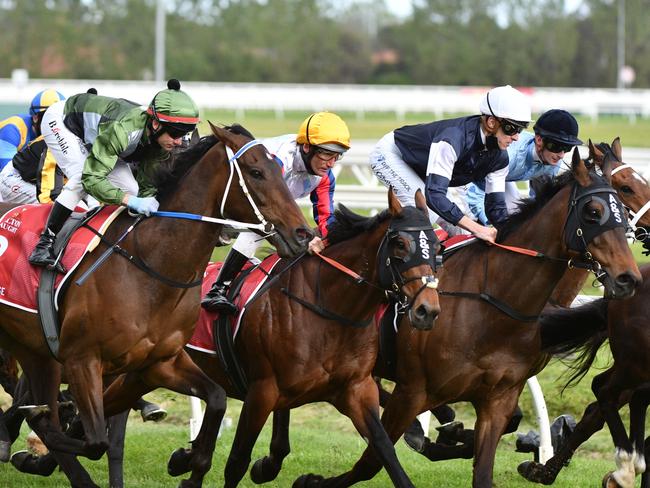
(20, 228)
(203, 339)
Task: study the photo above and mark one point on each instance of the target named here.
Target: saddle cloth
(20, 229)
(203, 337)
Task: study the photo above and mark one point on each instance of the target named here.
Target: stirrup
(219, 303)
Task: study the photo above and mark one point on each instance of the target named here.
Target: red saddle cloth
(203, 337)
(20, 229)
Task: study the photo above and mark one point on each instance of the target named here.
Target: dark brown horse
(584, 329)
(308, 337)
(482, 348)
(634, 192)
(136, 321)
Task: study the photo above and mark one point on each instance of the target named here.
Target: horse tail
(576, 335)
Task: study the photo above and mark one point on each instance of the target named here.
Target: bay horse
(582, 331)
(134, 321)
(308, 338)
(482, 349)
(634, 192)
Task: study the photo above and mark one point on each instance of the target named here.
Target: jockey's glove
(144, 205)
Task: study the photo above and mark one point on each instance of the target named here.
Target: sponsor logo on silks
(62, 143)
(424, 245)
(613, 205)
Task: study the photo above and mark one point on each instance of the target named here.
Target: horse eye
(626, 189)
(593, 214)
(256, 173)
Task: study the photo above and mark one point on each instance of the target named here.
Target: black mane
(530, 206)
(348, 224)
(168, 174)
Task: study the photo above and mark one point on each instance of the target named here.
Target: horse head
(632, 187)
(596, 226)
(255, 191)
(407, 261)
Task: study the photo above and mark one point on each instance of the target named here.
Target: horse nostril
(304, 234)
(627, 281)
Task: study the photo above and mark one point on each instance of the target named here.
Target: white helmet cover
(505, 102)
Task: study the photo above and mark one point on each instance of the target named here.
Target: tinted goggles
(511, 128)
(556, 147)
(326, 155)
(177, 132)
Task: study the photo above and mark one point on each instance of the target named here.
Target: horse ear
(394, 204)
(595, 153)
(579, 168)
(421, 202)
(195, 137)
(617, 149)
(222, 134)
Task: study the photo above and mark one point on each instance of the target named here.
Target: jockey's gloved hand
(144, 205)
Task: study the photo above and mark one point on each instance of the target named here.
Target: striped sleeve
(322, 199)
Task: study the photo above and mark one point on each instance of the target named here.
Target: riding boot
(215, 300)
(43, 253)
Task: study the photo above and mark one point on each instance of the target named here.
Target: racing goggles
(556, 147)
(510, 128)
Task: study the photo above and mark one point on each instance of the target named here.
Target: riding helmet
(174, 108)
(505, 102)
(43, 99)
(325, 130)
(559, 126)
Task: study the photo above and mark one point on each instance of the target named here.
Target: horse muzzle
(423, 316)
(623, 286)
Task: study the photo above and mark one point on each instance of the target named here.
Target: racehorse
(584, 329)
(308, 339)
(134, 321)
(482, 349)
(634, 192)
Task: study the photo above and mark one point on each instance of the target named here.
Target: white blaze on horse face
(424, 245)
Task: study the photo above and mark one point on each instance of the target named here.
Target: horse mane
(167, 175)
(348, 224)
(530, 206)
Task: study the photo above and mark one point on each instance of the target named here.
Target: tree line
(442, 42)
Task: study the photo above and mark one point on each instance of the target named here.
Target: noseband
(391, 267)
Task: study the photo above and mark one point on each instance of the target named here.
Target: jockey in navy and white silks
(533, 155)
(307, 160)
(449, 153)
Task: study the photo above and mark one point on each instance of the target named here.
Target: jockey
(307, 160)
(533, 155)
(449, 153)
(19, 130)
(32, 176)
(93, 140)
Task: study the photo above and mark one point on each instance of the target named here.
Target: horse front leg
(493, 416)
(260, 400)
(607, 395)
(181, 375)
(267, 468)
(638, 407)
(115, 455)
(361, 405)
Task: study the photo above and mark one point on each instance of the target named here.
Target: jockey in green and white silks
(94, 140)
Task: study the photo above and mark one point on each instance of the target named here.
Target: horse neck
(569, 287)
(523, 282)
(188, 243)
(360, 255)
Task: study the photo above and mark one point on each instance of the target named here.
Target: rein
(636, 216)
(589, 262)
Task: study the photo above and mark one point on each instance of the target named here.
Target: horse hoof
(5, 451)
(308, 481)
(610, 482)
(535, 472)
(153, 413)
(25, 462)
(179, 462)
(264, 470)
(415, 441)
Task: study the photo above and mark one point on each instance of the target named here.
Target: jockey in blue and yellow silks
(307, 160)
(19, 130)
